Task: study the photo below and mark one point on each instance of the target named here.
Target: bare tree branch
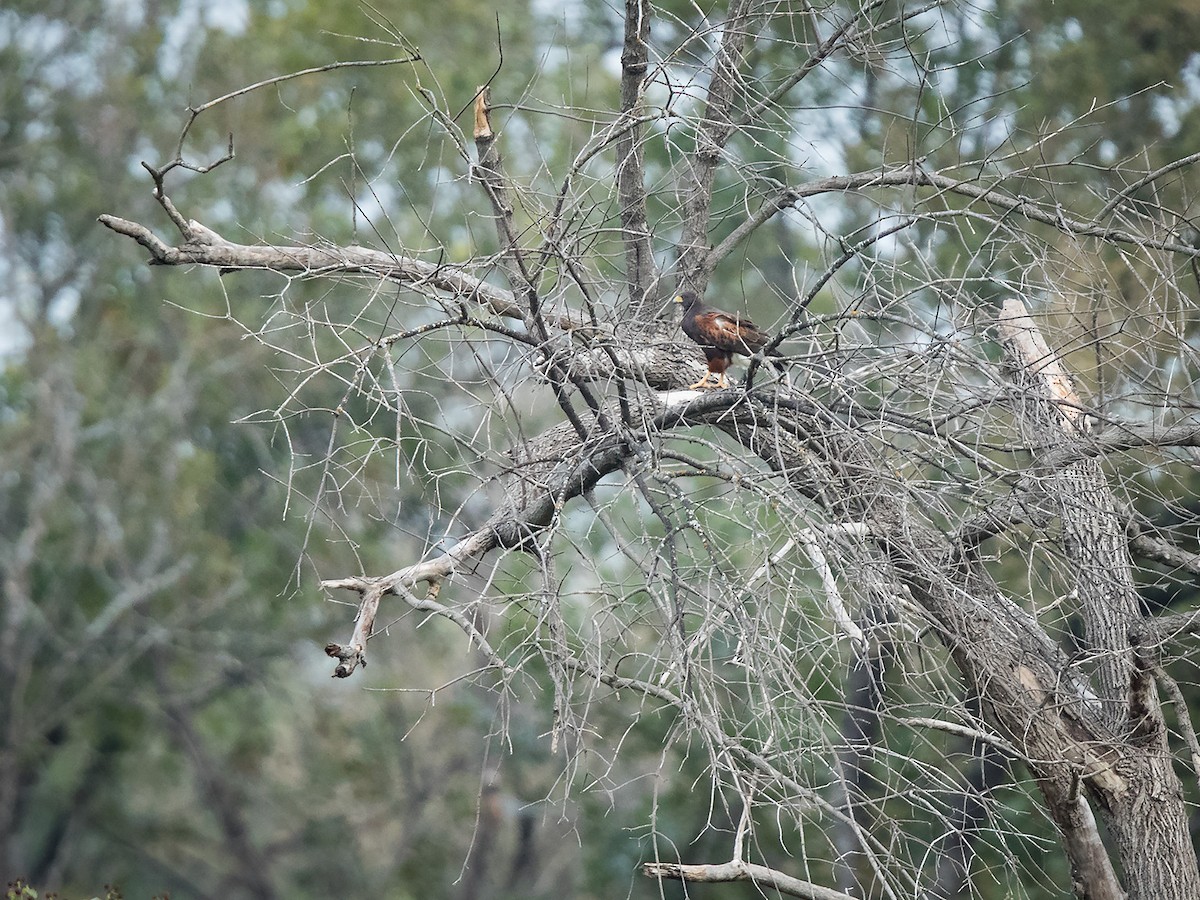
(1095, 543)
(205, 247)
(1149, 178)
(712, 134)
(1153, 631)
(433, 572)
(848, 31)
(631, 173)
(742, 871)
(916, 176)
(892, 450)
(489, 171)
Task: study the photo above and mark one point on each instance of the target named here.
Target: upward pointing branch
(489, 170)
(713, 133)
(631, 185)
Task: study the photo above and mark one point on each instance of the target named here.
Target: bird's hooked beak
(678, 298)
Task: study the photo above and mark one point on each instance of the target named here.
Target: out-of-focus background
(167, 719)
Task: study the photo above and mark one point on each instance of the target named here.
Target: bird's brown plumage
(720, 334)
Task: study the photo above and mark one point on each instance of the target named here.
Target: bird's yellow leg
(701, 384)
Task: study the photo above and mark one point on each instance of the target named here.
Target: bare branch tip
(349, 658)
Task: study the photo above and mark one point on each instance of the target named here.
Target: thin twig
(1142, 182)
(315, 70)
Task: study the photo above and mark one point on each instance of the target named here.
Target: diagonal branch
(433, 572)
(842, 35)
(538, 490)
(1154, 631)
(914, 176)
(555, 467)
(1145, 180)
(489, 171)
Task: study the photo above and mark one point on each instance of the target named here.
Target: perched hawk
(721, 335)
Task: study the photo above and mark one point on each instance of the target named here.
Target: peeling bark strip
(1038, 370)
(489, 171)
(1092, 535)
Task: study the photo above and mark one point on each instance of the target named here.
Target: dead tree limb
(204, 247)
(761, 876)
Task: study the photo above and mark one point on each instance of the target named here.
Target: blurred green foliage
(166, 717)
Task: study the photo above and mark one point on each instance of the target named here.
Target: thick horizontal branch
(742, 871)
(205, 247)
(1023, 206)
(1143, 543)
(1121, 438)
(656, 359)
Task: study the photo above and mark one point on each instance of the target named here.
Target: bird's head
(687, 298)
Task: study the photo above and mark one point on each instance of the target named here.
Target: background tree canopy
(903, 618)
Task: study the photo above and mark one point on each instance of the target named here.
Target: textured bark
(631, 182)
(1093, 876)
(1022, 677)
(713, 133)
(1148, 818)
(203, 246)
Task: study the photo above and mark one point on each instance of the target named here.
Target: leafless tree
(885, 589)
